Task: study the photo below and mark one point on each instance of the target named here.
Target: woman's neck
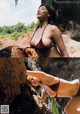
(43, 24)
(41, 83)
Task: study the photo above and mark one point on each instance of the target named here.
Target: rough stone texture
(16, 92)
(72, 46)
(22, 42)
(12, 73)
(66, 68)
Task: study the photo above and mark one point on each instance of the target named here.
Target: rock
(76, 36)
(72, 46)
(7, 42)
(15, 90)
(24, 41)
(66, 68)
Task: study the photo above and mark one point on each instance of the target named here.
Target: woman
(47, 38)
(56, 87)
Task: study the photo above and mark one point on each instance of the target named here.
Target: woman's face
(42, 12)
(33, 80)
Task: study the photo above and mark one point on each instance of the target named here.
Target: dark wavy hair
(52, 18)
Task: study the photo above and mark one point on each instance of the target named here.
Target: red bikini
(53, 87)
(40, 45)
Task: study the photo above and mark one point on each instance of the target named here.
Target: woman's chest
(40, 36)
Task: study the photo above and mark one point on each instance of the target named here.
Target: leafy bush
(55, 108)
(15, 35)
(15, 31)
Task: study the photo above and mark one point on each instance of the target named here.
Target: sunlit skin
(51, 34)
(33, 80)
(65, 89)
(42, 13)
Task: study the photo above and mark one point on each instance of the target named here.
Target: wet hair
(52, 17)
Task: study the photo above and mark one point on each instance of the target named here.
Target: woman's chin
(34, 85)
(39, 17)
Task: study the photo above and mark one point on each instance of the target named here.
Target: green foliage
(4, 36)
(15, 35)
(20, 27)
(55, 108)
(15, 31)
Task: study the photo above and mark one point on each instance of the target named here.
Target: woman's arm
(73, 106)
(57, 37)
(45, 78)
(44, 95)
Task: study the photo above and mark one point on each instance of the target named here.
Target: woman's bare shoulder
(54, 30)
(53, 27)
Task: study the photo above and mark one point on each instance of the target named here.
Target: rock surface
(72, 46)
(15, 90)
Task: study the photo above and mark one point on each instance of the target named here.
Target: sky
(24, 12)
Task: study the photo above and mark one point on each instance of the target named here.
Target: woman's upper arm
(44, 95)
(44, 77)
(57, 37)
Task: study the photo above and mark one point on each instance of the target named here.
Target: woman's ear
(48, 15)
